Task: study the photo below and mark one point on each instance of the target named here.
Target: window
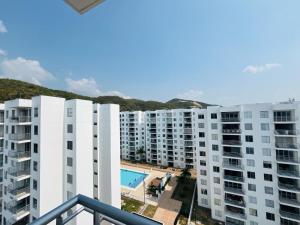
(214, 126)
(202, 153)
(264, 126)
(266, 151)
(270, 216)
(69, 145)
(253, 212)
(251, 187)
(203, 191)
(34, 184)
(248, 115)
(218, 213)
(249, 150)
(35, 148)
(252, 199)
(70, 128)
(203, 172)
(269, 190)
(201, 125)
(251, 162)
(215, 158)
(217, 201)
(36, 112)
(248, 126)
(217, 180)
(69, 195)
(201, 116)
(201, 134)
(267, 165)
(34, 203)
(203, 182)
(251, 175)
(36, 130)
(253, 223)
(215, 147)
(269, 203)
(268, 177)
(213, 116)
(216, 169)
(265, 139)
(69, 161)
(35, 166)
(201, 143)
(69, 178)
(214, 137)
(69, 112)
(202, 163)
(204, 201)
(264, 114)
(249, 138)
(217, 191)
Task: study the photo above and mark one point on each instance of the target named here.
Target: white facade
(1, 155)
(132, 135)
(248, 163)
(49, 156)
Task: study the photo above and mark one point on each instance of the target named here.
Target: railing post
(59, 220)
(96, 218)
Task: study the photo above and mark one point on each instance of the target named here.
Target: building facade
(49, 155)
(248, 163)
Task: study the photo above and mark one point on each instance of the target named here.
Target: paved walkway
(168, 208)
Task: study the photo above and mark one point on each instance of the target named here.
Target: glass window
(270, 216)
(34, 184)
(70, 128)
(269, 203)
(35, 166)
(250, 162)
(36, 130)
(69, 145)
(251, 175)
(69, 161)
(215, 147)
(35, 148)
(266, 151)
(214, 116)
(264, 126)
(248, 126)
(251, 187)
(69, 178)
(69, 112)
(265, 139)
(249, 138)
(248, 115)
(269, 190)
(252, 200)
(214, 126)
(249, 150)
(34, 203)
(253, 212)
(36, 112)
(264, 114)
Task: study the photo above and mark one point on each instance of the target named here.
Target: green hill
(11, 89)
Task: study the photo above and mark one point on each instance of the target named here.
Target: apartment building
(248, 163)
(170, 137)
(1, 155)
(132, 132)
(49, 156)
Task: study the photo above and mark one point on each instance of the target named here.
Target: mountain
(11, 89)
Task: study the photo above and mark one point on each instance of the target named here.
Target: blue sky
(224, 52)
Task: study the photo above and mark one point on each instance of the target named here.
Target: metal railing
(19, 154)
(234, 178)
(288, 172)
(20, 119)
(231, 142)
(20, 137)
(232, 154)
(230, 119)
(285, 132)
(283, 158)
(231, 131)
(283, 119)
(289, 214)
(101, 212)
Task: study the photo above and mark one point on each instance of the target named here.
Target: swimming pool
(131, 179)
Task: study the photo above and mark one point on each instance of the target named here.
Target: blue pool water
(131, 179)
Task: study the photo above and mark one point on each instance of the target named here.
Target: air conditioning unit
(83, 6)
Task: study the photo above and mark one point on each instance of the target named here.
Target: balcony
(188, 143)
(100, 211)
(236, 202)
(232, 154)
(20, 119)
(188, 131)
(287, 159)
(289, 186)
(235, 212)
(231, 142)
(287, 145)
(19, 155)
(289, 201)
(20, 192)
(1, 134)
(19, 173)
(239, 191)
(20, 211)
(285, 132)
(230, 117)
(20, 137)
(233, 178)
(231, 131)
(288, 173)
(291, 215)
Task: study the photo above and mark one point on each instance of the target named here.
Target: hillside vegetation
(11, 89)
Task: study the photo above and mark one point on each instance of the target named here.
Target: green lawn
(184, 193)
(150, 211)
(131, 205)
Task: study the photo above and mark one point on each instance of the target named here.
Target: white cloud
(24, 69)
(88, 86)
(254, 69)
(2, 52)
(2, 27)
(191, 95)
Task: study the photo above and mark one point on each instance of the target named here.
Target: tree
(141, 152)
(184, 176)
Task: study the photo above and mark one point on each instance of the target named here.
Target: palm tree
(141, 152)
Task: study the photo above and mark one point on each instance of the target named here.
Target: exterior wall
(79, 117)
(1, 156)
(108, 154)
(245, 181)
(132, 135)
(48, 115)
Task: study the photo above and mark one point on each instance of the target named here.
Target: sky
(220, 52)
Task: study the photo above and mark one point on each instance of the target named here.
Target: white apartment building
(170, 137)
(49, 156)
(248, 163)
(1, 154)
(132, 132)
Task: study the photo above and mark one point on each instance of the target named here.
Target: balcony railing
(291, 159)
(231, 142)
(289, 215)
(285, 132)
(2, 119)
(1, 149)
(288, 173)
(231, 201)
(101, 212)
(292, 187)
(232, 166)
(234, 178)
(20, 191)
(20, 137)
(231, 131)
(234, 190)
(283, 119)
(19, 210)
(1, 134)
(20, 119)
(236, 214)
(232, 154)
(232, 119)
(287, 145)
(19, 154)
(17, 172)
(289, 201)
